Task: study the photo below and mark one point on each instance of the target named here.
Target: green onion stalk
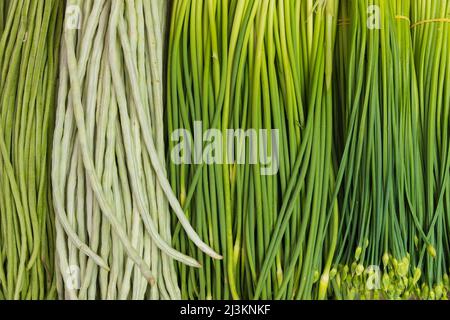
(28, 64)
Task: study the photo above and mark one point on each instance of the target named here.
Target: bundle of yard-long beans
(254, 65)
(28, 64)
(385, 236)
(110, 189)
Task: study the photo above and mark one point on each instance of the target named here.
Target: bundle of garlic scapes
(111, 194)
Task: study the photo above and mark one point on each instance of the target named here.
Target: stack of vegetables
(255, 65)
(28, 64)
(224, 149)
(357, 209)
(382, 195)
(110, 189)
(431, 41)
(393, 231)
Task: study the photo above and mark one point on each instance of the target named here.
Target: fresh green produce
(224, 149)
(357, 209)
(255, 65)
(110, 188)
(431, 40)
(392, 233)
(379, 107)
(28, 63)
(3, 11)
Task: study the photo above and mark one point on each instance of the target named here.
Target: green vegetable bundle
(358, 208)
(431, 41)
(255, 65)
(28, 70)
(224, 149)
(110, 189)
(380, 159)
(393, 230)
